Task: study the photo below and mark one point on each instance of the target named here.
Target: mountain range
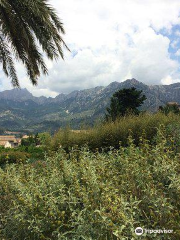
(20, 110)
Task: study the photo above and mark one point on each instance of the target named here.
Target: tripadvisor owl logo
(139, 231)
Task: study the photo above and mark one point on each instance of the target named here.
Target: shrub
(13, 157)
(112, 133)
(85, 195)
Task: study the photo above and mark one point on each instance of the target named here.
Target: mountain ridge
(19, 109)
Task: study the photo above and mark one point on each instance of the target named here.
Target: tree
(174, 108)
(44, 139)
(32, 140)
(124, 101)
(26, 27)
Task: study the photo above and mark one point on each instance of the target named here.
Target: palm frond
(28, 25)
(7, 63)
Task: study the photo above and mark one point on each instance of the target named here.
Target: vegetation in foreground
(111, 134)
(86, 195)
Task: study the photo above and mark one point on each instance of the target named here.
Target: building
(25, 137)
(9, 141)
(174, 103)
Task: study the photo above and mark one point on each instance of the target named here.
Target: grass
(111, 134)
(92, 195)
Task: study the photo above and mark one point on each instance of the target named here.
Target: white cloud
(169, 80)
(112, 40)
(177, 53)
(174, 43)
(177, 33)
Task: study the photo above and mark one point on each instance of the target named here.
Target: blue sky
(112, 40)
(174, 37)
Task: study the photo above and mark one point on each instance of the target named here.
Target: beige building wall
(8, 145)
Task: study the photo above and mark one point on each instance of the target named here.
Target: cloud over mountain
(112, 41)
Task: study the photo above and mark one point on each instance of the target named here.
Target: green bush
(85, 195)
(112, 133)
(13, 157)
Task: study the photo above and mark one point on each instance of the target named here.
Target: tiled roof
(7, 138)
(10, 139)
(3, 143)
(172, 103)
(25, 137)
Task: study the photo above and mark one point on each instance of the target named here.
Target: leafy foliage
(124, 101)
(170, 108)
(30, 141)
(13, 157)
(111, 134)
(21, 34)
(44, 139)
(22, 154)
(85, 195)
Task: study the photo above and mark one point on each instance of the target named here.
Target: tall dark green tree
(124, 101)
(27, 29)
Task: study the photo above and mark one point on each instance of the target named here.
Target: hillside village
(11, 141)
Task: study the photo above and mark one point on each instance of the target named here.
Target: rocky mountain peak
(21, 110)
(16, 94)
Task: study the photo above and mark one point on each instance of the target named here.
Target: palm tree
(28, 28)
